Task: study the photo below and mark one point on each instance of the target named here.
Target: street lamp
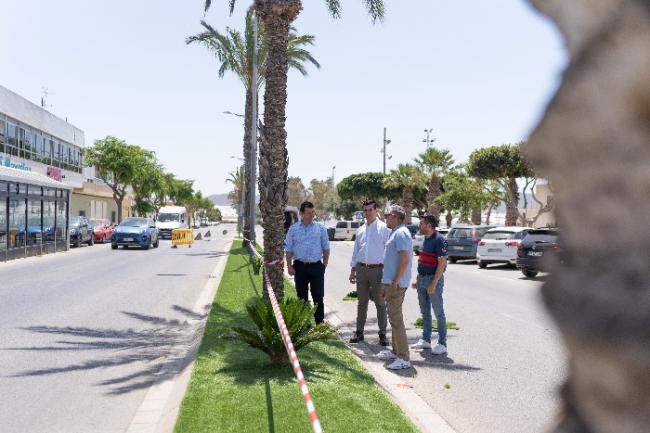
(428, 141)
(383, 150)
(233, 114)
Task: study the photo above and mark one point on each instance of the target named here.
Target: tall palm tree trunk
(449, 218)
(277, 17)
(248, 181)
(476, 215)
(433, 193)
(512, 215)
(407, 198)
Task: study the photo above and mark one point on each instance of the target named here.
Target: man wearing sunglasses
(398, 256)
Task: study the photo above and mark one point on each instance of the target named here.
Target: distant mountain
(220, 199)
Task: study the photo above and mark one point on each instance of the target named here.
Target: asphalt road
(505, 362)
(84, 333)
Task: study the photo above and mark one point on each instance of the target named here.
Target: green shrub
(266, 336)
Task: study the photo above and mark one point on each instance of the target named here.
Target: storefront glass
(3, 224)
(61, 221)
(48, 221)
(17, 221)
(34, 222)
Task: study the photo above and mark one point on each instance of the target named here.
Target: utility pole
(253, 149)
(333, 182)
(383, 150)
(429, 142)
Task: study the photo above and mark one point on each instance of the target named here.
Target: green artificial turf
(450, 324)
(234, 388)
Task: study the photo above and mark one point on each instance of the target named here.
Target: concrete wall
(93, 206)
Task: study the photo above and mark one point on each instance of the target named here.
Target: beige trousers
(394, 301)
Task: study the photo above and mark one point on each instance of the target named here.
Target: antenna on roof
(45, 93)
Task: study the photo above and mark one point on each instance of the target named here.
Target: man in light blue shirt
(307, 250)
(398, 256)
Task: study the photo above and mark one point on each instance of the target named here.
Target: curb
(158, 411)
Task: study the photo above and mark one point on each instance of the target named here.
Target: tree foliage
(505, 164)
(371, 185)
(118, 164)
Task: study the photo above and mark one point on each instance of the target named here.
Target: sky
(479, 73)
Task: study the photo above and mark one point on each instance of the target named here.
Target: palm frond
(376, 9)
(266, 335)
(334, 7)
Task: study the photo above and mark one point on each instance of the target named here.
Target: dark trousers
(311, 277)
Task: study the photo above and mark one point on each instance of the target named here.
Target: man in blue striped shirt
(307, 251)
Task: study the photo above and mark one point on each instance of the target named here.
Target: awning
(14, 175)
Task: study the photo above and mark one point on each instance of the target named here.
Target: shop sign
(54, 173)
(6, 162)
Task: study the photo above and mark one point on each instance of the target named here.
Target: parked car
(500, 245)
(290, 217)
(102, 230)
(81, 231)
(536, 250)
(463, 239)
(139, 232)
(346, 230)
(419, 239)
(414, 229)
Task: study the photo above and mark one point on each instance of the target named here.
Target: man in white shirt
(367, 267)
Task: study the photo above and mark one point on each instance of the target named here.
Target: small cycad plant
(266, 334)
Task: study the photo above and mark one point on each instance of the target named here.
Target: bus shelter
(34, 212)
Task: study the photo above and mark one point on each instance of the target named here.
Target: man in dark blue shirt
(432, 262)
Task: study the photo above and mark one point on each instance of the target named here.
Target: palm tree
(277, 16)
(434, 164)
(406, 176)
(234, 52)
(236, 196)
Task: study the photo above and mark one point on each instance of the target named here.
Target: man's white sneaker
(398, 364)
(386, 355)
(439, 349)
(421, 344)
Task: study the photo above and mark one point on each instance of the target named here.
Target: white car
(419, 238)
(499, 245)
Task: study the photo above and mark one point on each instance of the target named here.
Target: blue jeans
(426, 302)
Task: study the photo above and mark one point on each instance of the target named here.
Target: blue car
(137, 232)
(463, 239)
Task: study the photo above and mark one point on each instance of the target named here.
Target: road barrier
(288, 344)
(182, 237)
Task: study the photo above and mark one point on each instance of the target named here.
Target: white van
(170, 218)
(346, 230)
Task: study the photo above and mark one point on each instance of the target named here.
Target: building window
(3, 135)
(12, 139)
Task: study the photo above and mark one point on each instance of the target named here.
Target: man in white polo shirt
(367, 266)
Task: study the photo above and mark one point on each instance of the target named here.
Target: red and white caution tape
(288, 344)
